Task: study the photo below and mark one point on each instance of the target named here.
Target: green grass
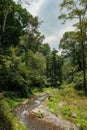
(63, 102)
(40, 114)
(72, 101)
(9, 121)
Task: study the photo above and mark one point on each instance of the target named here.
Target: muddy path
(27, 114)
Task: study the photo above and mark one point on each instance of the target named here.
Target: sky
(48, 12)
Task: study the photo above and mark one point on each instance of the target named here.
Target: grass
(9, 121)
(63, 102)
(40, 114)
(68, 101)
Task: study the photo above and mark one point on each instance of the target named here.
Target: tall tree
(13, 22)
(77, 9)
(54, 68)
(4, 17)
(71, 49)
(44, 49)
(22, 65)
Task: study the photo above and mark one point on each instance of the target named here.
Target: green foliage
(78, 80)
(44, 49)
(73, 44)
(40, 114)
(54, 65)
(22, 66)
(66, 101)
(23, 57)
(26, 64)
(22, 71)
(13, 19)
(10, 122)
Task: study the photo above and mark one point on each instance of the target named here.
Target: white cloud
(34, 7)
(51, 27)
(62, 31)
(54, 39)
(66, 29)
(50, 38)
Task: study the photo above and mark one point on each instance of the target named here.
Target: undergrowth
(70, 104)
(9, 122)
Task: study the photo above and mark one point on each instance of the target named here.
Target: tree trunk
(4, 24)
(83, 56)
(0, 39)
(84, 67)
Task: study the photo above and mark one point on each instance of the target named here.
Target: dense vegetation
(74, 43)
(70, 104)
(27, 63)
(7, 119)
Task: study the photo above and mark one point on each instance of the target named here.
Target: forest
(27, 63)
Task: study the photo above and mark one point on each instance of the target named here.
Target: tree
(22, 65)
(78, 10)
(3, 22)
(71, 49)
(13, 23)
(31, 41)
(54, 68)
(44, 49)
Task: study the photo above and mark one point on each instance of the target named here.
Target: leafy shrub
(9, 121)
(40, 114)
(82, 127)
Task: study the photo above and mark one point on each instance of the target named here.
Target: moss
(10, 122)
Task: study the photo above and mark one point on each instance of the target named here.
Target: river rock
(73, 115)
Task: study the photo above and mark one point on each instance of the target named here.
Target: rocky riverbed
(30, 115)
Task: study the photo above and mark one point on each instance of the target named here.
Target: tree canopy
(76, 10)
(27, 62)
